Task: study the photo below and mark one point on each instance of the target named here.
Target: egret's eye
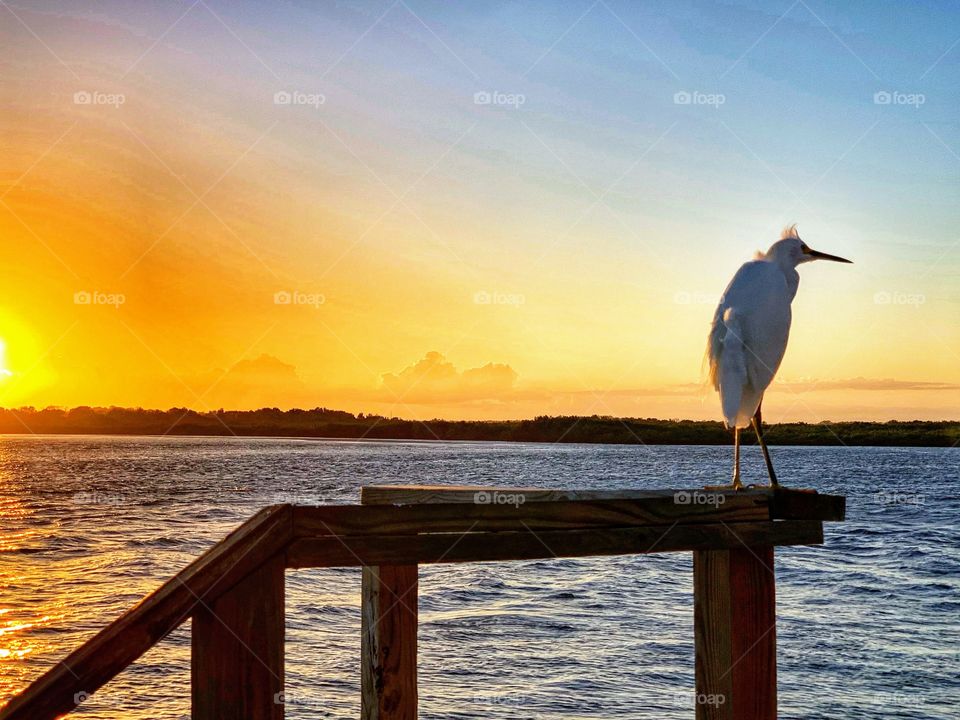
(804, 248)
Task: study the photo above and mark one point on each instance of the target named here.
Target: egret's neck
(792, 276)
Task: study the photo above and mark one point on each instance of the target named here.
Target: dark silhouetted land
(325, 423)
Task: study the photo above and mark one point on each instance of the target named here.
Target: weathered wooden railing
(235, 592)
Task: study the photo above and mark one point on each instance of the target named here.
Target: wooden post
(389, 643)
(238, 648)
(735, 634)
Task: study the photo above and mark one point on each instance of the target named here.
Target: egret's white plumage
(751, 326)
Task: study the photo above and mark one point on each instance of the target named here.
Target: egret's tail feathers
(714, 347)
(732, 368)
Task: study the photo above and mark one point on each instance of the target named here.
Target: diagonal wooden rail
(234, 592)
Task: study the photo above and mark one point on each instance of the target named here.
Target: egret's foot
(735, 485)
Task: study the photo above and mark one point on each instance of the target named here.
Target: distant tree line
(326, 423)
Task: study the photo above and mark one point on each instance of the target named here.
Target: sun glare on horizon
(5, 372)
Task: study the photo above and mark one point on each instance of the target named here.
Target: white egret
(749, 335)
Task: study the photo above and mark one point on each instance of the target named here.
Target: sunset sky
(475, 210)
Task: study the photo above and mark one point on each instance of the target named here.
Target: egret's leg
(736, 459)
(757, 426)
(736, 484)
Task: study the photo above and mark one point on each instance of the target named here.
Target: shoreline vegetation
(337, 424)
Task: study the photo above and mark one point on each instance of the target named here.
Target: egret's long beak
(817, 255)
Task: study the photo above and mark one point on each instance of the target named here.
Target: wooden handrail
(237, 582)
(362, 550)
(106, 654)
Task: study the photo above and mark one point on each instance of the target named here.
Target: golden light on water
(14, 654)
(18, 622)
(18, 636)
(10, 540)
(17, 639)
(16, 627)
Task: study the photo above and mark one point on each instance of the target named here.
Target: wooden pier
(234, 593)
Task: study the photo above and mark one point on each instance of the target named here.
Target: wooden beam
(492, 514)
(120, 643)
(358, 550)
(807, 505)
(389, 643)
(237, 650)
(785, 503)
(735, 634)
(432, 494)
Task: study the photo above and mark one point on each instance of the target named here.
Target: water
(868, 625)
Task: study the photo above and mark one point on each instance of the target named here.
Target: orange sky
(182, 239)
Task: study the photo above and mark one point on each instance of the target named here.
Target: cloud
(264, 367)
(433, 380)
(860, 383)
(265, 381)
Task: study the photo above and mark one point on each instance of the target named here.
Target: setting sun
(27, 361)
(5, 372)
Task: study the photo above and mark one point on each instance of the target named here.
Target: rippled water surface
(868, 625)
